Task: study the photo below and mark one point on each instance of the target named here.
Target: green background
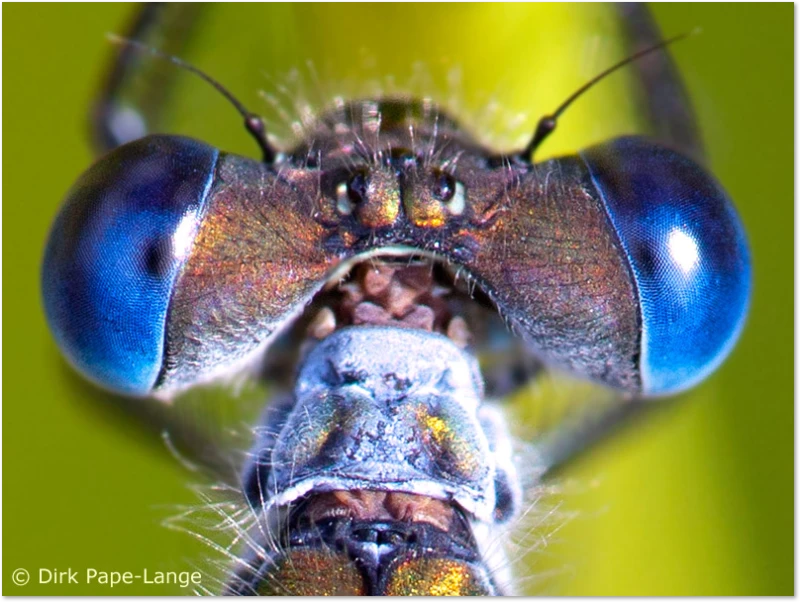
(698, 500)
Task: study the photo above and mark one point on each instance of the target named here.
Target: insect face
(385, 248)
(606, 263)
(386, 462)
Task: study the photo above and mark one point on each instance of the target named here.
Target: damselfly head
(606, 262)
(390, 249)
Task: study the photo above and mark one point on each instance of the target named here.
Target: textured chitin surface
(537, 238)
(307, 572)
(385, 420)
(553, 265)
(395, 175)
(435, 577)
(257, 259)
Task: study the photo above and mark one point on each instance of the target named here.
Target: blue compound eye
(688, 255)
(114, 252)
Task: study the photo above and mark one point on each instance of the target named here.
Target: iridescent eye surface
(114, 252)
(688, 255)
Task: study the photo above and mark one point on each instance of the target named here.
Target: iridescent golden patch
(381, 207)
(434, 577)
(452, 448)
(427, 213)
(312, 573)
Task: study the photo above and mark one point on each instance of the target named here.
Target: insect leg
(131, 100)
(663, 96)
(585, 430)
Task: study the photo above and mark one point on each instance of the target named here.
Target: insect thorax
(386, 457)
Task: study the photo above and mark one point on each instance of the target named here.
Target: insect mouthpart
(398, 288)
(386, 458)
(369, 543)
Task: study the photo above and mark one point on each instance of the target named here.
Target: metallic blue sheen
(687, 252)
(114, 252)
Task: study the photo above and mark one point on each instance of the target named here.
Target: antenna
(252, 122)
(548, 123)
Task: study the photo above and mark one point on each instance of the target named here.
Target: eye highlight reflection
(683, 250)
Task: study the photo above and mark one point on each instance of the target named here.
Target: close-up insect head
(463, 299)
